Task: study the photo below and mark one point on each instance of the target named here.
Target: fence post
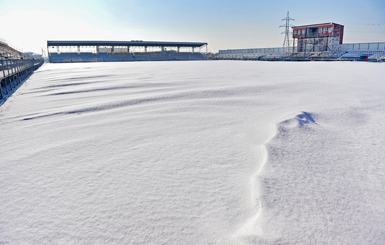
(3, 67)
(6, 66)
(18, 71)
(1, 80)
(1, 88)
(14, 73)
(8, 78)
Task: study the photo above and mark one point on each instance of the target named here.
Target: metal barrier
(378, 46)
(279, 50)
(14, 71)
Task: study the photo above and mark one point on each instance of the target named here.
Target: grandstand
(118, 51)
(15, 68)
(317, 42)
(374, 52)
(9, 52)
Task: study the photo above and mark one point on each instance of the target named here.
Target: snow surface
(206, 152)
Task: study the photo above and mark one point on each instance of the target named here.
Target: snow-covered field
(206, 152)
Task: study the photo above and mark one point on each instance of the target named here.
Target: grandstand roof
(125, 43)
(316, 25)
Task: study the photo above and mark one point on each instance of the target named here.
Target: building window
(330, 29)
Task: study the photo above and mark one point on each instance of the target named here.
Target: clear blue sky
(224, 24)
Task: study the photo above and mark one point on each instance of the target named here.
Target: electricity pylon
(286, 41)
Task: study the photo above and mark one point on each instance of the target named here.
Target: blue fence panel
(379, 46)
(374, 46)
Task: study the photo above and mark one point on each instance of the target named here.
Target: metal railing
(14, 71)
(9, 67)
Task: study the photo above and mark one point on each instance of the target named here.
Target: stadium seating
(119, 57)
(377, 56)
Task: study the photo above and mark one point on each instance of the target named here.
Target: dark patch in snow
(305, 118)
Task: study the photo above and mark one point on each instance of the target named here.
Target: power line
(365, 24)
(364, 31)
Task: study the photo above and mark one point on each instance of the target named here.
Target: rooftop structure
(135, 50)
(125, 43)
(120, 46)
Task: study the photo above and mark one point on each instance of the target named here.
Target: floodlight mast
(286, 41)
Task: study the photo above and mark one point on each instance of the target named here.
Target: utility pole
(286, 41)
